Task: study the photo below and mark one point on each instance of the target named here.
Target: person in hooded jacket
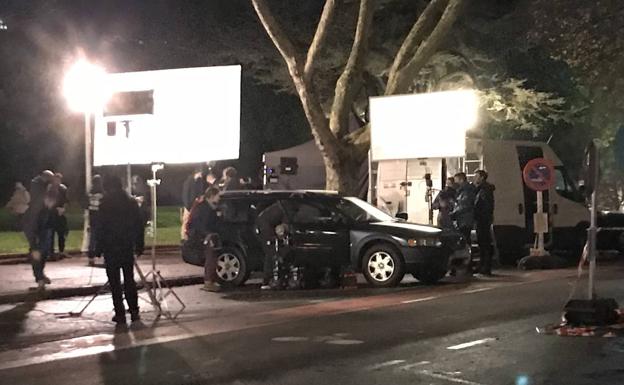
(120, 236)
(484, 217)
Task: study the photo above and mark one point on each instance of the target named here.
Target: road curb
(65, 292)
(17, 258)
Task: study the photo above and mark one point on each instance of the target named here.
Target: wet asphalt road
(481, 336)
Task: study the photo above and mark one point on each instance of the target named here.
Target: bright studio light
(85, 87)
(429, 125)
(195, 117)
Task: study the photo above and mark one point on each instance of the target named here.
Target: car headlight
(428, 242)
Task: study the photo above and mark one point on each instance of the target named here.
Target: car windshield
(360, 211)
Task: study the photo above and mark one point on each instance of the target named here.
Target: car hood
(406, 228)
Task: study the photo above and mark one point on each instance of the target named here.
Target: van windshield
(565, 186)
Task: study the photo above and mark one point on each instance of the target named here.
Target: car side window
(235, 211)
(309, 213)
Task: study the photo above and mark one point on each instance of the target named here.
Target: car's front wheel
(383, 266)
(231, 267)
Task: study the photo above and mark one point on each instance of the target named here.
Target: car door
(320, 234)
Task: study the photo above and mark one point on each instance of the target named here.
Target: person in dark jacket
(58, 220)
(266, 222)
(484, 217)
(120, 236)
(35, 226)
(203, 227)
(194, 187)
(445, 203)
(463, 213)
(230, 180)
(94, 199)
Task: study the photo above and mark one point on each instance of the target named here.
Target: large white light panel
(196, 118)
(430, 125)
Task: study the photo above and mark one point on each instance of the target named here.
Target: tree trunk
(345, 178)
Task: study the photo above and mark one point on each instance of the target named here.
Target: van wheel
(231, 267)
(383, 266)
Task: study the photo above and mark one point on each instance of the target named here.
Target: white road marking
(344, 342)
(471, 344)
(419, 300)
(441, 376)
(290, 339)
(477, 290)
(409, 366)
(386, 364)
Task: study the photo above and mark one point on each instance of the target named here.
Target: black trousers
(269, 256)
(115, 264)
(484, 239)
(59, 229)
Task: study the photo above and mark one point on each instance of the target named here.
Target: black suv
(329, 230)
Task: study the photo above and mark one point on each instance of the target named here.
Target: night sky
(43, 38)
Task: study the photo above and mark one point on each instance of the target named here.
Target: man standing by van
(484, 216)
(463, 213)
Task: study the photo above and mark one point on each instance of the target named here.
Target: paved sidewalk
(73, 276)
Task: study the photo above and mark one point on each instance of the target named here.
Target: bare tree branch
(425, 23)
(426, 49)
(277, 35)
(346, 84)
(325, 140)
(319, 39)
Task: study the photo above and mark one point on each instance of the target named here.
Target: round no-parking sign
(539, 174)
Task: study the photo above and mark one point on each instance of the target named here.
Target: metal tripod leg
(153, 300)
(101, 290)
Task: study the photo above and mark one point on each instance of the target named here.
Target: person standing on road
(484, 217)
(94, 198)
(194, 187)
(35, 226)
(57, 216)
(463, 213)
(120, 236)
(203, 227)
(445, 203)
(18, 204)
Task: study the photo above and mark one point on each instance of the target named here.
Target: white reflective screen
(196, 118)
(430, 125)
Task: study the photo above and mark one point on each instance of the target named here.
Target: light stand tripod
(158, 289)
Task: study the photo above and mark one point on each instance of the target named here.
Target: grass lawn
(15, 242)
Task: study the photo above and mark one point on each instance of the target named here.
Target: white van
(402, 187)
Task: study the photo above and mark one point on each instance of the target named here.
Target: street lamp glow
(85, 87)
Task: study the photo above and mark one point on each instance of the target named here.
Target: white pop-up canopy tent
(194, 117)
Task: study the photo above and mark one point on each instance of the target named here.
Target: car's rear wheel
(231, 267)
(383, 266)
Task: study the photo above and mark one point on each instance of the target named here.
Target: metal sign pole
(593, 229)
(592, 248)
(540, 233)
